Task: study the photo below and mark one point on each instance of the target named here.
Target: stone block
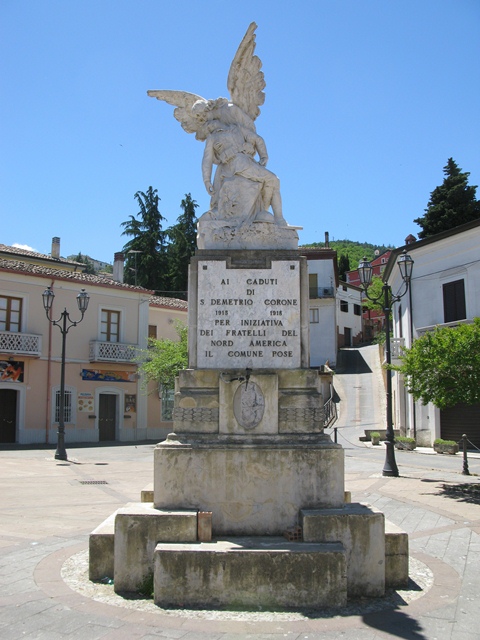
(251, 490)
(138, 528)
(396, 556)
(361, 530)
(101, 550)
(204, 524)
(146, 494)
(250, 573)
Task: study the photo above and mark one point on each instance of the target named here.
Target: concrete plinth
(138, 528)
(250, 489)
(101, 550)
(250, 572)
(396, 556)
(361, 530)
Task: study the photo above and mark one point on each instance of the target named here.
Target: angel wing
(246, 81)
(183, 101)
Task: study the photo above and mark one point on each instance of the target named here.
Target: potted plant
(445, 446)
(407, 444)
(375, 437)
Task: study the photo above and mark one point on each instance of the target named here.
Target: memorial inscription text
(248, 319)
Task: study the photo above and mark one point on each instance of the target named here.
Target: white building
(335, 308)
(445, 291)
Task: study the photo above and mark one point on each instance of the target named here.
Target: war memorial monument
(249, 506)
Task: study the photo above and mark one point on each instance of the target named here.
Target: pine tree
(343, 266)
(451, 204)
(183, 237)
(148, 267)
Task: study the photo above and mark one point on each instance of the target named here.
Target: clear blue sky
(365, 102)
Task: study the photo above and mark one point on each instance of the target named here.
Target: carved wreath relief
(248, 405)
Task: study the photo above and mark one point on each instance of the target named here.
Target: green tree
(451, 204)
(355, 250)
(443, 366)
(183, 237)
(89, 268)
(148, 267)
(374, 291)
(164, 358)
(343, 266)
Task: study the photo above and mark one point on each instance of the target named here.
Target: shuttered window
(454, 301)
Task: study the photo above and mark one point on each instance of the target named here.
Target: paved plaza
(49, 507)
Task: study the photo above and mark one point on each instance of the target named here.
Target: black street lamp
(386, 299)
(82, 302)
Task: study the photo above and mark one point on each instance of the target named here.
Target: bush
(405, 439)
(449, 443)
(374, 434)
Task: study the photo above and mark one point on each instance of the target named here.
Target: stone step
(396, 556)
(138, 528)
(250, 572)
(361, 530)
(100, 550)
(146, 494)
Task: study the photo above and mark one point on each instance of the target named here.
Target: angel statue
(243, 189)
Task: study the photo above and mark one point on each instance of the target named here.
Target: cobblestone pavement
(49, 507)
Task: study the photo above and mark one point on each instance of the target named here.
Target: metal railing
(330, 413)
(25, 344)
(321, 292)
(112, 352)
(396, 346)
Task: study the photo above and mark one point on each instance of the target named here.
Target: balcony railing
(112, 352)
(24, 344)
(321, 292)
(396, 346)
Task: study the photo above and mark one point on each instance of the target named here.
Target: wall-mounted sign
(108, 376)
(130, 403)
(85, 402)
(11, 371)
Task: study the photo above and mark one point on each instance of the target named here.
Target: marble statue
(243, 189)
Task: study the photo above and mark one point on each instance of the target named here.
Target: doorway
(107, 417)
(8, 415)
(348, 337)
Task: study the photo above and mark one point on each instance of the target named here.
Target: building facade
(445, 291)
(104, 395)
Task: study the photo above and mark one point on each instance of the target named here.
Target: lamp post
(65, 324)
(386, 299)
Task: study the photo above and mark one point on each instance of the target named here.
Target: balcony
(321, 292)
(396, 346)
(20, 344)
(112, 352)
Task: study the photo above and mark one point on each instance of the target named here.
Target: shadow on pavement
(351, 361)
(396, 623)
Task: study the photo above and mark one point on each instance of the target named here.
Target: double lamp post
(64, 323)
(386, 300)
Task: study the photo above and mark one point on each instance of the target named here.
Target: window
(454, 301)
(313, 284)
(314, 316)
(344, 306)
(10, 313)
(67, 408)
(167, 404)
(152, 331)
(110, 326)
(357, 309)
